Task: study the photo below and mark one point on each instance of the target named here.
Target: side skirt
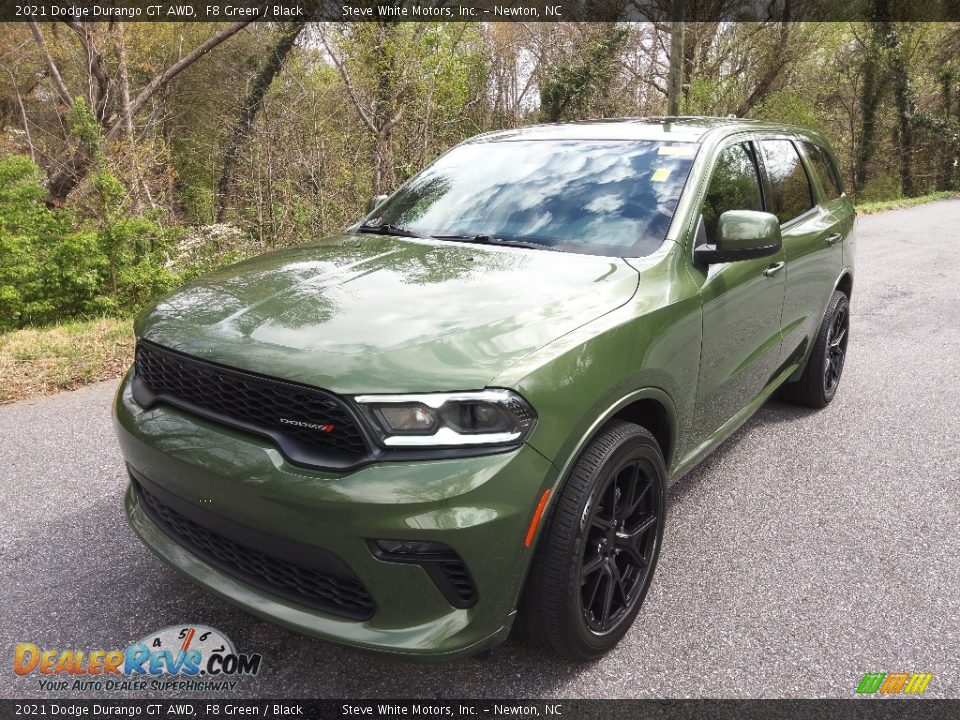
(693, 458)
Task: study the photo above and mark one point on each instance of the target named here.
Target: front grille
(328, 437)
(343, 596)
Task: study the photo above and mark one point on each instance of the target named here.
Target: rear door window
(790, 191)
(824, 168)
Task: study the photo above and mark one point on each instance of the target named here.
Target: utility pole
(675, 79)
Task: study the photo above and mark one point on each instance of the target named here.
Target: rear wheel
(821, 378)
(596, 557)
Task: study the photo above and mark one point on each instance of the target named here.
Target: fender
(653, 393)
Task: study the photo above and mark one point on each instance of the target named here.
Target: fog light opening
(444, 567)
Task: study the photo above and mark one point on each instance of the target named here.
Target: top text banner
(478, 10)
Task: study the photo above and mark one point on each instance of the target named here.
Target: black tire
(592, 522)
(821, 378)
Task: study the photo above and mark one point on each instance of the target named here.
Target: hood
(385, 314)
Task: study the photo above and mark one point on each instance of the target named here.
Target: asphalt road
(810, 548)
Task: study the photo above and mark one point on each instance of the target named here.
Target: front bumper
(480, 507)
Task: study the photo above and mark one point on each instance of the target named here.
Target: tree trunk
(675, 79)
(690, 52)
(904, 96)
(385, 112)
(138, 181)
(248, 113)
(869, 102)
(876, 77)
(946, 87)
(71, 172)
(383, 173)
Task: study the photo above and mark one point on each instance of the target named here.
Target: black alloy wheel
(618, 550)
(836, 350)
(820, 380)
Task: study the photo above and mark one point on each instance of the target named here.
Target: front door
(742, 301)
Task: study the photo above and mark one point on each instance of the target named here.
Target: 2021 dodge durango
(463, 413)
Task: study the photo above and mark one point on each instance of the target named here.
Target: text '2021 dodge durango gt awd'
(463, 413)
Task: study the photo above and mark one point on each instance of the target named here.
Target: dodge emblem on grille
(322, 427)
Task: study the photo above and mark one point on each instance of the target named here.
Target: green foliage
(574, 85)
(788, 106)
(881, 187)
(53, 267)
(84, 126)
(32, 261)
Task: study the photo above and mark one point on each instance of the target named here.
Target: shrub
(44, 263)
(55, 267)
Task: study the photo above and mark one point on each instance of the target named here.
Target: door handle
(774, 269)
(834, 239)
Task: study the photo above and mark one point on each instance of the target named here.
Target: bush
(54, 267)
(47, 270)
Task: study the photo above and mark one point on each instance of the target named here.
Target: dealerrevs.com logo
(180, 657)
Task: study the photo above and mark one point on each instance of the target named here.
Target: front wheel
(821, 378)
(596, 557)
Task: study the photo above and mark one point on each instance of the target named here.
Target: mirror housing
(741, 235)
(375, 202)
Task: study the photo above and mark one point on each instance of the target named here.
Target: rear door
(811, 241)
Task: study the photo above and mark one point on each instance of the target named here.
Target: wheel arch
(649, 407)
(652, 414)
(845, 283)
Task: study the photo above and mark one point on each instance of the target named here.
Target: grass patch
(46, 360)
(869, 208)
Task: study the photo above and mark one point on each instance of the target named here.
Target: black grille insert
(311, 426)
(459, 579)
(337, 595)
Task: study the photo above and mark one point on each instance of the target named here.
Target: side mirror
(375, 202)
(741, 235)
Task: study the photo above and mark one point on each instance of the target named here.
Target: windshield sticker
(660, 174)
(678, 150)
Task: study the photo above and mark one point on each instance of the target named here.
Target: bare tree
(381, 109)
(101, 94)
(248, 111)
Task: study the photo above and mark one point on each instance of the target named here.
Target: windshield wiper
(388, 229)
(489, 240)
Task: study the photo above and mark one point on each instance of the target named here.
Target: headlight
(482, 417)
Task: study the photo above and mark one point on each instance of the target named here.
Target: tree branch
(178, 67)
(364, 113)
(23, 115)
(98, 99)
(58, 84)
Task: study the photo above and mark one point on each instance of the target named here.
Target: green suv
(463, 413)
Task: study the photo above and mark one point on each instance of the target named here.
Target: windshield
(588, 196)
